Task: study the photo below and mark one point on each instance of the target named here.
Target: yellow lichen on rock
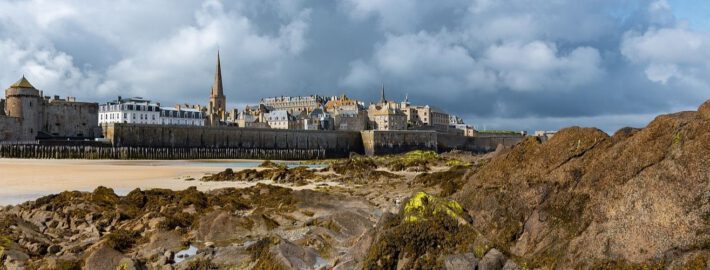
(5, 242)
(421, 205)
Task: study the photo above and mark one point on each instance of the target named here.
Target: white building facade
(281, 119)
(181, 116)
(137, 110)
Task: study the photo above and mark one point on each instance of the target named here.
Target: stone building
(190, 115)
(347, 113)
(282, 119)
(317, 119)
(466, 130)
(27, 115)
(253, 117)
(432, 116)
(293, 104)
(217, 108)
(386, 115)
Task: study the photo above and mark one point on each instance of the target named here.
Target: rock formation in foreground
(583, 199)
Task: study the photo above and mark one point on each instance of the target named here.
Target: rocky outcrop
(583, 199)
(103, 257)
(151, 228)
(704, 110)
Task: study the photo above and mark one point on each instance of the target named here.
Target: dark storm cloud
(500, 64)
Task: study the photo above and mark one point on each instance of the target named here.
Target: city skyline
(498, 66)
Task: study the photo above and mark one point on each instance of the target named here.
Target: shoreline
(28, 179)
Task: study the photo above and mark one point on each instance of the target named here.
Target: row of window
(129, 107)
(145, 116)
(181, 114)
(163, 113)
(192, 122)
(112, 116)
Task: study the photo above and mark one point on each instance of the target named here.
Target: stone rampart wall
(334, 143)
(71, 119)
(10, 129)
(383, 142)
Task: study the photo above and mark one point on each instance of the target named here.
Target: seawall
(333, 143)
(110, 152)
(136, 141)
(377, 142)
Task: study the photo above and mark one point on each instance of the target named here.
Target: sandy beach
(29, 179)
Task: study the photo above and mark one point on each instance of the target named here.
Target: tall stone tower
(24, 102)
(216, 111)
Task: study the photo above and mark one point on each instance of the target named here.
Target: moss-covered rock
(422, 206)
(449, 181)
(426, 229)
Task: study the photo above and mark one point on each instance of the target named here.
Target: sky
(498, 64)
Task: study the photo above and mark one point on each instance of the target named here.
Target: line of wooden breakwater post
(110, 152)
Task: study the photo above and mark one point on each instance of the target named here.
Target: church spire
(216, 110)
(217, 89)
(382, 94)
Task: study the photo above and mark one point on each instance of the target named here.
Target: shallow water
(185, 254)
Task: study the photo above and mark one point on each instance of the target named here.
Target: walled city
(140, 128)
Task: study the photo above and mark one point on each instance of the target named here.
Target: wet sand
(28, 179)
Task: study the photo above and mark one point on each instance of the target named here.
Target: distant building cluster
(25, 114)
(329, 113)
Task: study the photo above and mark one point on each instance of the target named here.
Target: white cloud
(52, 71)
(192, 49)
(669, 53)
(539, 66)
(535, 66)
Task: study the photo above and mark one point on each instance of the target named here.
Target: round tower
(22, 100)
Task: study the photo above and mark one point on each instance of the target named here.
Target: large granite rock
(460, 262)
(493, 260)
(704, 110)
(103, 257)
